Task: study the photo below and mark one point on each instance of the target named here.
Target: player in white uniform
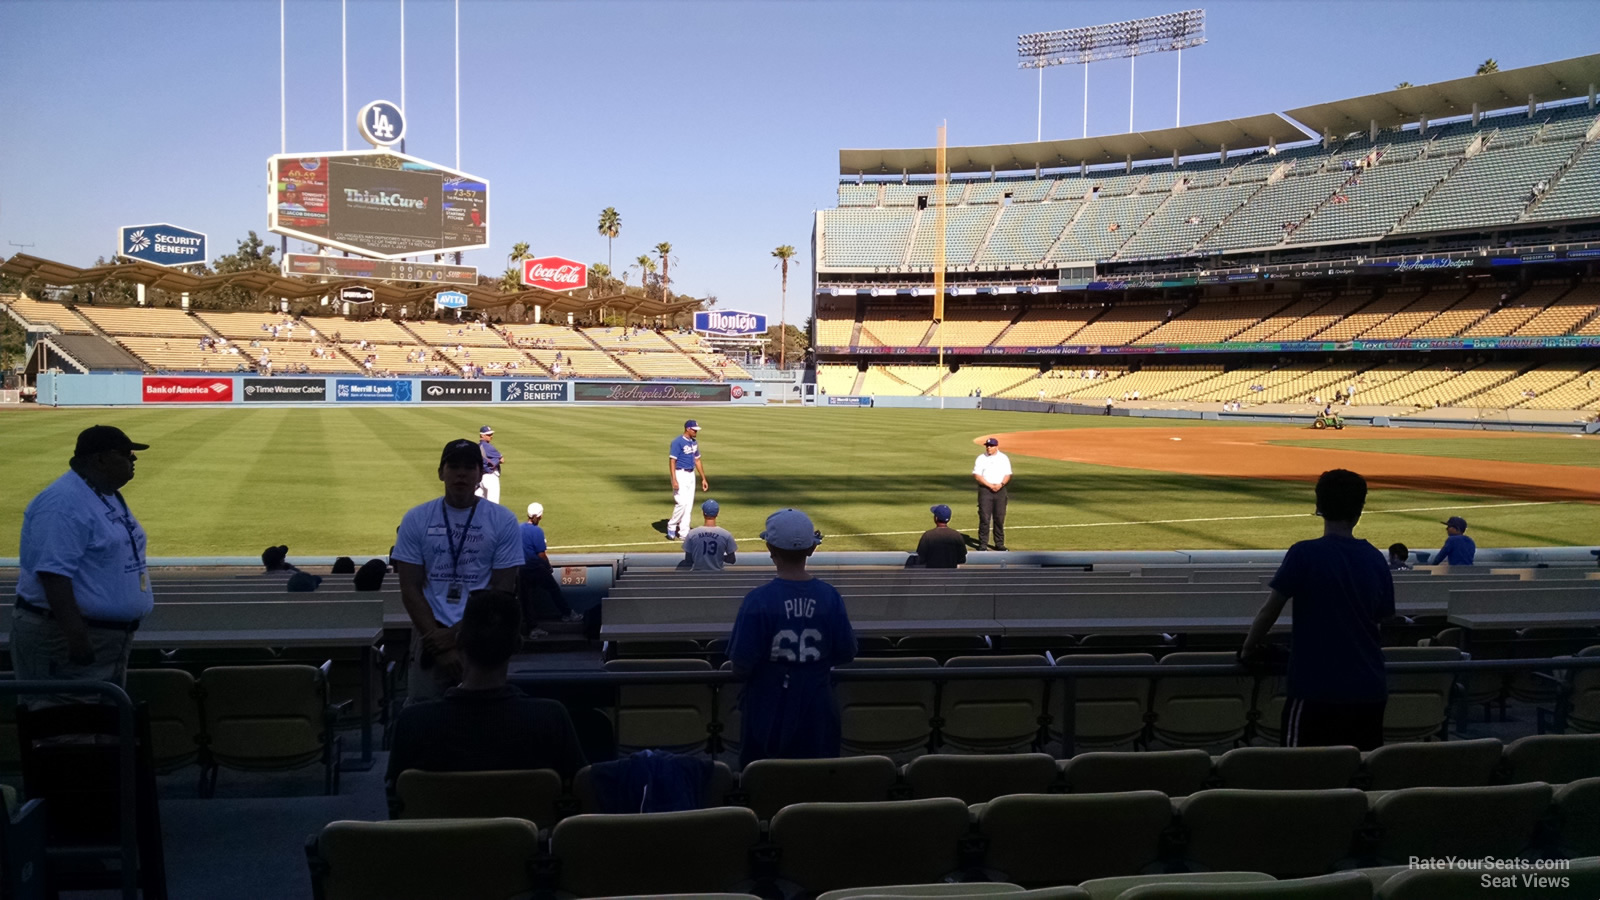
(683, 464)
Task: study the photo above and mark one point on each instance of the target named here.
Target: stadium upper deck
(1400, 180)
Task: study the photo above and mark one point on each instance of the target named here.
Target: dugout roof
(1546, 82)
(271, 284)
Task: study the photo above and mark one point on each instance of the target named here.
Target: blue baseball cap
(710, 508)
(486, 430)
(941, 512)
(691, 425)
(791, 529)
(1456, 522)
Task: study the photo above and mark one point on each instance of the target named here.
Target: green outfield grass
(1555, 450)
(336, 481)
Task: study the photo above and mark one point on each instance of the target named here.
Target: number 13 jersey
(788, 636)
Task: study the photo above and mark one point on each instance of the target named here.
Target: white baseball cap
(535, 510)
(791, 529)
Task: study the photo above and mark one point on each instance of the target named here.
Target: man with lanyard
(83, 584)
(444, 550)
(683, 464)
(489, 487)
(992, 471)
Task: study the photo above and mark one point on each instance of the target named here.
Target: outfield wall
(1504, 422)
(57, 389)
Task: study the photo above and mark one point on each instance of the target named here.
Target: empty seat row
(1033, 841)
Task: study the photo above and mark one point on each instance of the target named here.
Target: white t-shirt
(439, 538)
(72, 530)
(707, 546)
(992, 468)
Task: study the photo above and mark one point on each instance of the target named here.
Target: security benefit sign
(186, 390)
(516, 391)
(285, 390)
(729, 322)
(457, 391)
(164, 245)
(372, 390)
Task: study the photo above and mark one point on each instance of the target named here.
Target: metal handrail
(126, 739)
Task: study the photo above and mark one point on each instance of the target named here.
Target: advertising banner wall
(457, 391)
(849, 401)
(285, 390)
(372, 390)
(629, 392)
(533, 391)
(186, 390)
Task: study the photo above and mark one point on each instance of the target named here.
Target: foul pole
(941, 181)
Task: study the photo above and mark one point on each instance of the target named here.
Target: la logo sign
(555, 273)
(382, 123)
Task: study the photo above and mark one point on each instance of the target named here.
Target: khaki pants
(39, 651)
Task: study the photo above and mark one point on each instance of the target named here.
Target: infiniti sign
(464, 391)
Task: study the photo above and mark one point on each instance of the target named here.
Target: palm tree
(599, 276)
(1489, 67)
(511, 281)
(784, 253)
(646, 267)
(519, 252)
(664, 250)
(610, 227)
(1403, 85)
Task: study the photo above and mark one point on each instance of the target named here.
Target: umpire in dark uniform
(992, 471)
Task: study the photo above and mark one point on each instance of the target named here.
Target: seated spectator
(1399, 558)
(303, 583)
(370, 576)
(941, 547)
(344, 565)
(484, 724)
(275, 559)
(538, 575)
(710, 547)
(1458, 549)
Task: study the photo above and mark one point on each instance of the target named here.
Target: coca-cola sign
(555, 273)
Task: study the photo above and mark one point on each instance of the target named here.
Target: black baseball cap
(100, 438)
(992, 442)
(461, 452)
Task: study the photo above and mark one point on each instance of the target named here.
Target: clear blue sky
(713, 125)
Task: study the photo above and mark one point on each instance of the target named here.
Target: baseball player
(683, 464)
(710, 547)
(489, 487)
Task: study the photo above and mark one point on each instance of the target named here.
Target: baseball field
(227, 482)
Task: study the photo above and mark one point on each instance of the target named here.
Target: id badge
(144, 581)
(455, 592)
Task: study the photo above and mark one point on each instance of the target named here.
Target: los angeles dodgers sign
(729, 322)
(382, 123)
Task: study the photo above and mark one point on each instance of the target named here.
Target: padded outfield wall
(56, 389)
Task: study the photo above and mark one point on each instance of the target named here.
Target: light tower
(1130, 39)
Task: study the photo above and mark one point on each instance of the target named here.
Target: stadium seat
(704, 850)
(1468, 822)
(827, 846)
(1578, 817)
(1419, 702)
(1190, 711)
(674, 717)
(1286, 834)
(993, 716)
(771, 784)
(174, 715)
(979, 779)
(1288, 768)
(1112, 888)
(1531, 643)
(1484, 689)
(1338, 886)
(886, 716)
(423, 859)
(1176, 773)
(1109, 712)
(1266, 708)
(1553, 758)
(527, 794)
(1044, 839)
(1442, 764)
(1581, 698)
(719, 783)
(952, 889)
(267, 717)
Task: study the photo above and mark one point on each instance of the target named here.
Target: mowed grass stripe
(330, 481)
(1554, 450)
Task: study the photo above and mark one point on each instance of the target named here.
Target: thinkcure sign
(555, 273)
(729, 322)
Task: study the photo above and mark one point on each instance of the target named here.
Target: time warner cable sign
(162, 244)
(729, 322)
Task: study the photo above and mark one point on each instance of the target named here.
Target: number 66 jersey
(786, 640)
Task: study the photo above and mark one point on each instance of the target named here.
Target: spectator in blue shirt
(1458, 549)
(538, 575)
(1342, 589)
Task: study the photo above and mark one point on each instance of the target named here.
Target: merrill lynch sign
(729, 321)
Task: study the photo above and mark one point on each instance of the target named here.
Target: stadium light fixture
(1130, 39)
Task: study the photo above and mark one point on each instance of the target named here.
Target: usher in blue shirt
(1458, 550)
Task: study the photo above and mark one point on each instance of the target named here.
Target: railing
(127, 794)
(1066, 675)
